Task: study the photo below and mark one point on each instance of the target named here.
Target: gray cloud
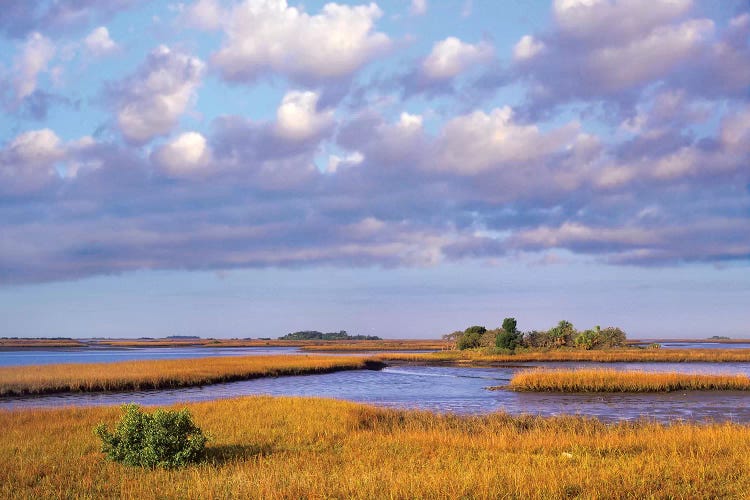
(613, 51)
(21, 16)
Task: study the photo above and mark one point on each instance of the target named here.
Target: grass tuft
(607, 380)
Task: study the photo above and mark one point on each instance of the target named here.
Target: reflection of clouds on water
(107, 355)
(450, 390)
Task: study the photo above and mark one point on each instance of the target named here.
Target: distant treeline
(564, 334)
(315, 335)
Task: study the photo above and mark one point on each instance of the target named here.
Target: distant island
(316, 335)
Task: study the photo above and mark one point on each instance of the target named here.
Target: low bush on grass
(165, 438)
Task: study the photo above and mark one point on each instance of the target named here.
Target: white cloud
(477, 142)
(451, 57)
(151, 101)
(616, 67)
(418, 7)
(99, 42)
(187, 155)
(37, 146)
(298, 117)
(572, 234)
(527, 47)
(408, 121)
(35, 56)
(27, 163)
(611, 22)
(735, 131)
(269, 36)
(336, 162)
(204, 14)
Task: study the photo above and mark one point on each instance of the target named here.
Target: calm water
(703, 345)
(109, 355)
(452, 389)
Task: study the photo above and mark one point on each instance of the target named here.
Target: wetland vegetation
(608, 380)
(264, 447)
(157, 374)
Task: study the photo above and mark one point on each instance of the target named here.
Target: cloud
(612, 51)
(418, 7)
(187, 155)
(204, 14)
(20, 18)
(451, 57)
(33, 59)
(298, 118)
(336, 162)
(615, 21)
(99, 43)
(337, 178)
(527, 47)
(480, 141)
(269, 37)
(27, 162)
(150, 102)
(397, 193)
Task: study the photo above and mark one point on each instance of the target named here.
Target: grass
(306, 345)
(264, 447)
(138, 375)
(561, 355)
(38, 343)
(597, 380)
(377, 345)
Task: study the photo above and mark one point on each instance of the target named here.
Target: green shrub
(507, 340)
(164, 438)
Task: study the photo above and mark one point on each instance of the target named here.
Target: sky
(249, 168)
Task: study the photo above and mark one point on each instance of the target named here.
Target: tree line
(564, 334)
(316, 335)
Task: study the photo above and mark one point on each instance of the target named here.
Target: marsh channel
(452, 389)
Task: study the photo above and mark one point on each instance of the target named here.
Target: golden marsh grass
(598, 380)
(562, 355)
(377, 345)
(263, 447)
(311, 345)
(155, 374)
(38, 343)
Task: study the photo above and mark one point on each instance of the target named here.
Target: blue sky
(248, 168)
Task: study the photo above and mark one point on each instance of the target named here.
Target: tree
(476, 329)
(562, 334)
(471, 337)
(589, 339)
(509, 337)
(509, 325)
(613, 336)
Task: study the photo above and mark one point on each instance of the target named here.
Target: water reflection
(447, 389)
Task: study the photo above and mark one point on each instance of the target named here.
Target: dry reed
(562, 355)
(264, 447)
(155, 374)
(599, 380)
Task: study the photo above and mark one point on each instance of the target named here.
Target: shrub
(165, 438)
(507, 340)
(471, 338)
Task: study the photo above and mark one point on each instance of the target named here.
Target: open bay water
(26, 357)
(461, 390)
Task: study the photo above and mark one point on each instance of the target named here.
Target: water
(452, 389)
(113, 354)
(30, 357)
(705, 345)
